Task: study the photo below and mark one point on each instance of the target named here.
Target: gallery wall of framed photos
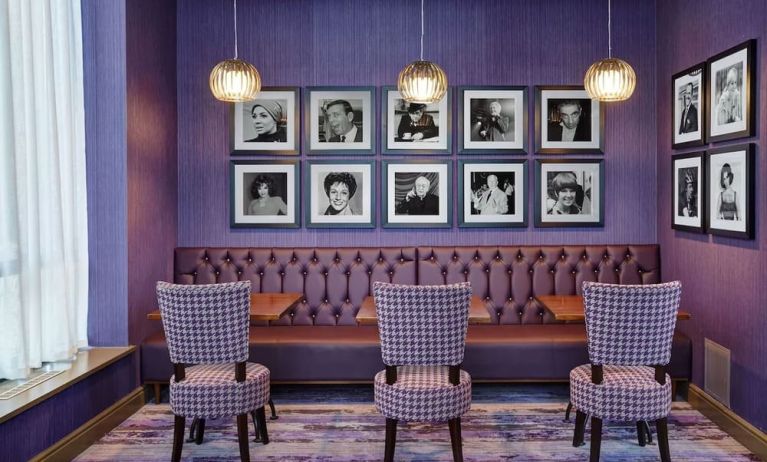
(714, 102)
(332, 190)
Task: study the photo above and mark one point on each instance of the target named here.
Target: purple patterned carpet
(354, 432)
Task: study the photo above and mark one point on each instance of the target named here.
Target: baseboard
(745, 433)
(88, 433)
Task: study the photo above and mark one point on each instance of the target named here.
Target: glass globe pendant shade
(610, 79)
(235, 81)
(422, 82)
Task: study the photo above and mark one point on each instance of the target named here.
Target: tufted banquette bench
(320, 341)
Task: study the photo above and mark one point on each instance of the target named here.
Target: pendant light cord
(609, 31)
(421, 30)
(235, 29)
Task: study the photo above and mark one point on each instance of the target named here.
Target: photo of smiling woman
(340, 188)
(339, 194)
(265, 199)
(566, 196)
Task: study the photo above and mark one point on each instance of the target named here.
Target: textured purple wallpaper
(723, 279)
(152, 192)
(365, 42)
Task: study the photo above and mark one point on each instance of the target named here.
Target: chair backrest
(630, 325)
(205, 324)
(422, 325)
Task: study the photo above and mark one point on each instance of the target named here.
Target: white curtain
(43, 214)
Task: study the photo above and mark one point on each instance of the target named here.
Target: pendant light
(610, 79)
(422, 81)
(235, 80)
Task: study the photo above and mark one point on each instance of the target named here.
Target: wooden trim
(736, 426)
(91, 431)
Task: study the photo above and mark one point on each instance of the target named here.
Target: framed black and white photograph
(689, 111)
(731, 191)
(569, 192)
(416, 194)
(415, 127)
(341, 194)
(267, 125)
(731, 93)
(567, 121)
(492, 120)
(688, 195)
(339, 120)
(492, 193)
(264, 194)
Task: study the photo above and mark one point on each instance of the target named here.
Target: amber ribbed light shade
(422, 82)
(610, 79)
(235, 80)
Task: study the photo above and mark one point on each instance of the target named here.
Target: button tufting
(497, 257)
(444, 273)
(487, 270)
(465, 271)
(305, 273)
(195, 273)
(604, 257)
(476, 257)
(380, 259)
(228, 260)
(402, 260)
(551, 270)
(617, 270)
(540, 258)
(261, 273)
(487, 299)
(573, 271)
(540, 313)
(639, 271)
(520, 312)
(292, 314)
(455, 257)
(239, 272)
(432, 258)
(325, 273)
(519, 256)
(337, 260)
(282, 273)
(370, 272)
(563, 256)
(359, 259)
(348, 300)
(207, 259)
(391, 273)
(596, 270)
(531, 299)
(326, 300)
(531, 271)
(303, 301)
(348, 273)
(509, 271)
(250, 260)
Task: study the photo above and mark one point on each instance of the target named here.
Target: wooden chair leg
(391, 439)
(641, 433)
(242, 437)
(673, 390)
(596, 439)
(261, 419)
(200, 431)
(647, 431)
(178, 437)
(455, 439)
(193, 430)
(662, 426)
(568, 410)
(257, 439)
(157, 390)
(273, 410)
(580, 428)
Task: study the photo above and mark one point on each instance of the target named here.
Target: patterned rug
(354, 432)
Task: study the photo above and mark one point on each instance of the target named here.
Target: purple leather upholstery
(319, 339)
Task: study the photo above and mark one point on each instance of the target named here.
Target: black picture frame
(741, 160)
(362, 210)
(398, 177)
(590, 123)
(478, 127)
(284, 176)
(689, 192)
(585, 172)
(281, 102)
(718, 70)
(393, 108)
(362, 100)
(688, 127)
(512, 172)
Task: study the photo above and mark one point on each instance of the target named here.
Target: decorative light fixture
(422, 81)
(235, 80)
(610, 79)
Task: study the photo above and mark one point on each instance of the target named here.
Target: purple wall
(491, 42)
(152, 192)
(723, 278)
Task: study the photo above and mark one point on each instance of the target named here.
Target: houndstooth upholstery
(422, 325)
(627, 393)
(422, 394)
(207, 323)
(210, 391)
(630, 324)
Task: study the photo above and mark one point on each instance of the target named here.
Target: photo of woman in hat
(415, 125)
(268, 122)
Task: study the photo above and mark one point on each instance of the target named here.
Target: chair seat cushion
(627, 393)
(210, 390)
(422, 394)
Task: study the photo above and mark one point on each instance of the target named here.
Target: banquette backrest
(334, 281)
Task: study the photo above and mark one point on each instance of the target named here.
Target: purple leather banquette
(320, 341)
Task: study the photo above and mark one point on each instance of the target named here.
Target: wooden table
(478, 314)
(263, 307)
(569, 308)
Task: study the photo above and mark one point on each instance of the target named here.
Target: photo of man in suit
(339, 120)
(570, 122)
(416, 125)
(689, 122)
(419, 201)
(489, 199)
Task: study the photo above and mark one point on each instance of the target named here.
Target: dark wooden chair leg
(391, 439)
(273, 410)
(580, 428)
(157, 391)
(242, 437)
(567, 411)
(596, 438)
(193, 430)
(200, 431)
(455, 439)
(641, 433)
(257, 439)
(662, 426)
(178, 437)
(261, 418)
(647, 431)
